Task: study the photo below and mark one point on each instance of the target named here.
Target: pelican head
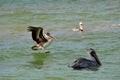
(81, 26)
(48, 36)
(90, 50)
(80, 23)
(93, 55)
(47, 33)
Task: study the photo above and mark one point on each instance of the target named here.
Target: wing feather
(41, 36)
(37, 34)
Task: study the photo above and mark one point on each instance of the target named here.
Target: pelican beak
(71, 65)
(55, 38)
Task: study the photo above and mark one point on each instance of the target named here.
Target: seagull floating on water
(80, 28)
(83, 63)
(42, 40)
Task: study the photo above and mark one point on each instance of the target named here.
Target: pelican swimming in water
(80, 28)
(83, 63)
(42, 40)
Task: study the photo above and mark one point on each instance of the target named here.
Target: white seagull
(80, 28)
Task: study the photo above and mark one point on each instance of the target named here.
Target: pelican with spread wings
(42, 40)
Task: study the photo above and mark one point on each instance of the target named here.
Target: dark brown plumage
(37, 34)
(86, 63)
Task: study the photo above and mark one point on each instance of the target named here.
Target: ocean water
(101, 19)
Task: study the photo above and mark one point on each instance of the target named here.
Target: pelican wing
(41, 36)
(82, 63)
(37, 34)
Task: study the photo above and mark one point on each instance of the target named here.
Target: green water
(101, 19)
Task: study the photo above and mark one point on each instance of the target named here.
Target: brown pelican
(41, 40)
(80, 28)
(83, 63)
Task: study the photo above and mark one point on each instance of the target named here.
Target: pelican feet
(34, 47)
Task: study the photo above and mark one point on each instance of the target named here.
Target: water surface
(102, 32)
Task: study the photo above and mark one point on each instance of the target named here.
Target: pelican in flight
(80, 28)
(42, 40)
(83, 63)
